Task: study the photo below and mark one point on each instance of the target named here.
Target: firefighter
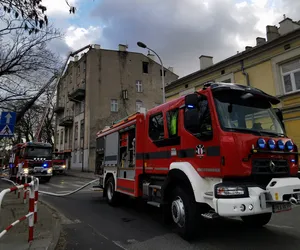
(173, 129)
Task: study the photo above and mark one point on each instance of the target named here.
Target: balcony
(67, 121)
(77, 94)
(59, 108)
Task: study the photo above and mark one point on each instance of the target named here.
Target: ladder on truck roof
(119, 122)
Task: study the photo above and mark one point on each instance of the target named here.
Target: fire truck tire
(184, 213)
(111, 195)
(257, 220)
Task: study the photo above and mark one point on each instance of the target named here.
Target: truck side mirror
(191, 100)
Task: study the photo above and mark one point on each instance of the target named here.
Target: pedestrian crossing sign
(6, 131)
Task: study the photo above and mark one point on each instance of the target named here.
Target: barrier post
(25, 191)
(31, 210)
(36, 197)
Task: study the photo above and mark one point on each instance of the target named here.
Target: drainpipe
(84, 120)
(245, 74)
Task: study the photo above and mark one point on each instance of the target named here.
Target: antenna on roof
(284, 17)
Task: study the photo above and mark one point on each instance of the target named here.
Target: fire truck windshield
(38, 152)
(247, 115)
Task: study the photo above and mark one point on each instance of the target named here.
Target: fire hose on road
(66, 194)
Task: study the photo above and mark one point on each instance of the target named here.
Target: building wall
(124, 70)
(106, 73)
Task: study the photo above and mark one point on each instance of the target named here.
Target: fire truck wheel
(184, 213)
(111, 195)
(257, 220)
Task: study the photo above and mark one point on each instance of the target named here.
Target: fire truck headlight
(49, 170)
(63, 166)
(25, 170)
(230, 191)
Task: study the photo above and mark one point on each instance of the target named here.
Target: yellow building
(273, 65)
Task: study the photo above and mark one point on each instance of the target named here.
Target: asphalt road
(89, 223)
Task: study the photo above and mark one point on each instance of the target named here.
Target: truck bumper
(281, 194)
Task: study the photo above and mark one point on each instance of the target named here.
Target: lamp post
(144, 46)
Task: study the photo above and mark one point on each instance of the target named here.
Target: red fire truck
(35, 157)
(59, 163)
(221, 151)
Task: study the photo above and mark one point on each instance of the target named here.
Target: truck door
(202, 140)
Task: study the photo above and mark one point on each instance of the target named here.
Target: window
(61, 136)
(164, 73)
(80, 156)
(66, 135)
(138, 105)
(114, 105)
(156, 127)
(198, 120)
(139, 86)
(291, 76)
(82, 128)
(227, 81)
(145, 67)
(76, 131)
(74, 155)
(172, 122)
(81, 107)
(57, 138)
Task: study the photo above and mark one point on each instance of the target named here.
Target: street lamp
(144, 46)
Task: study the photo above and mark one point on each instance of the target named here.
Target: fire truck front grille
(270, 167)
(33, 165)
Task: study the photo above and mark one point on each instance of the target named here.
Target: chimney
(171, 69)
(151, 56)
(97, 46)
(123, 47)
(248, 47)
(260, 41)
(272, 33)
(205, 61)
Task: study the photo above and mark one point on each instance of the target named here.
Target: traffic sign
(7, 124)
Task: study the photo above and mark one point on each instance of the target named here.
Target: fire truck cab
(59, 163)
(35, 158)
(221, 151)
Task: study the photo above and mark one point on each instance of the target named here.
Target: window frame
(150, 122)
(292, 76)
(114, 103)
(139, 86)
(136, 107)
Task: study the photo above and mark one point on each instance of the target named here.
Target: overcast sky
(178, 30)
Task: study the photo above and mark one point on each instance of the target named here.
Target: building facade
(272, 65)
(98, 88)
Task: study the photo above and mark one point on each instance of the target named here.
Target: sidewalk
(78, 173)
(46, 231)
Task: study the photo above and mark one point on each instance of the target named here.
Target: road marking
(278, 226)
(97, 232)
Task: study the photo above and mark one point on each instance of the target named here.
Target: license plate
(281, 207)
(37, 169)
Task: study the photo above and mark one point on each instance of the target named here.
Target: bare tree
(26, 15)
(25, 61)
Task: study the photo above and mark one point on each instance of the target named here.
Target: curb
(57, 226)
